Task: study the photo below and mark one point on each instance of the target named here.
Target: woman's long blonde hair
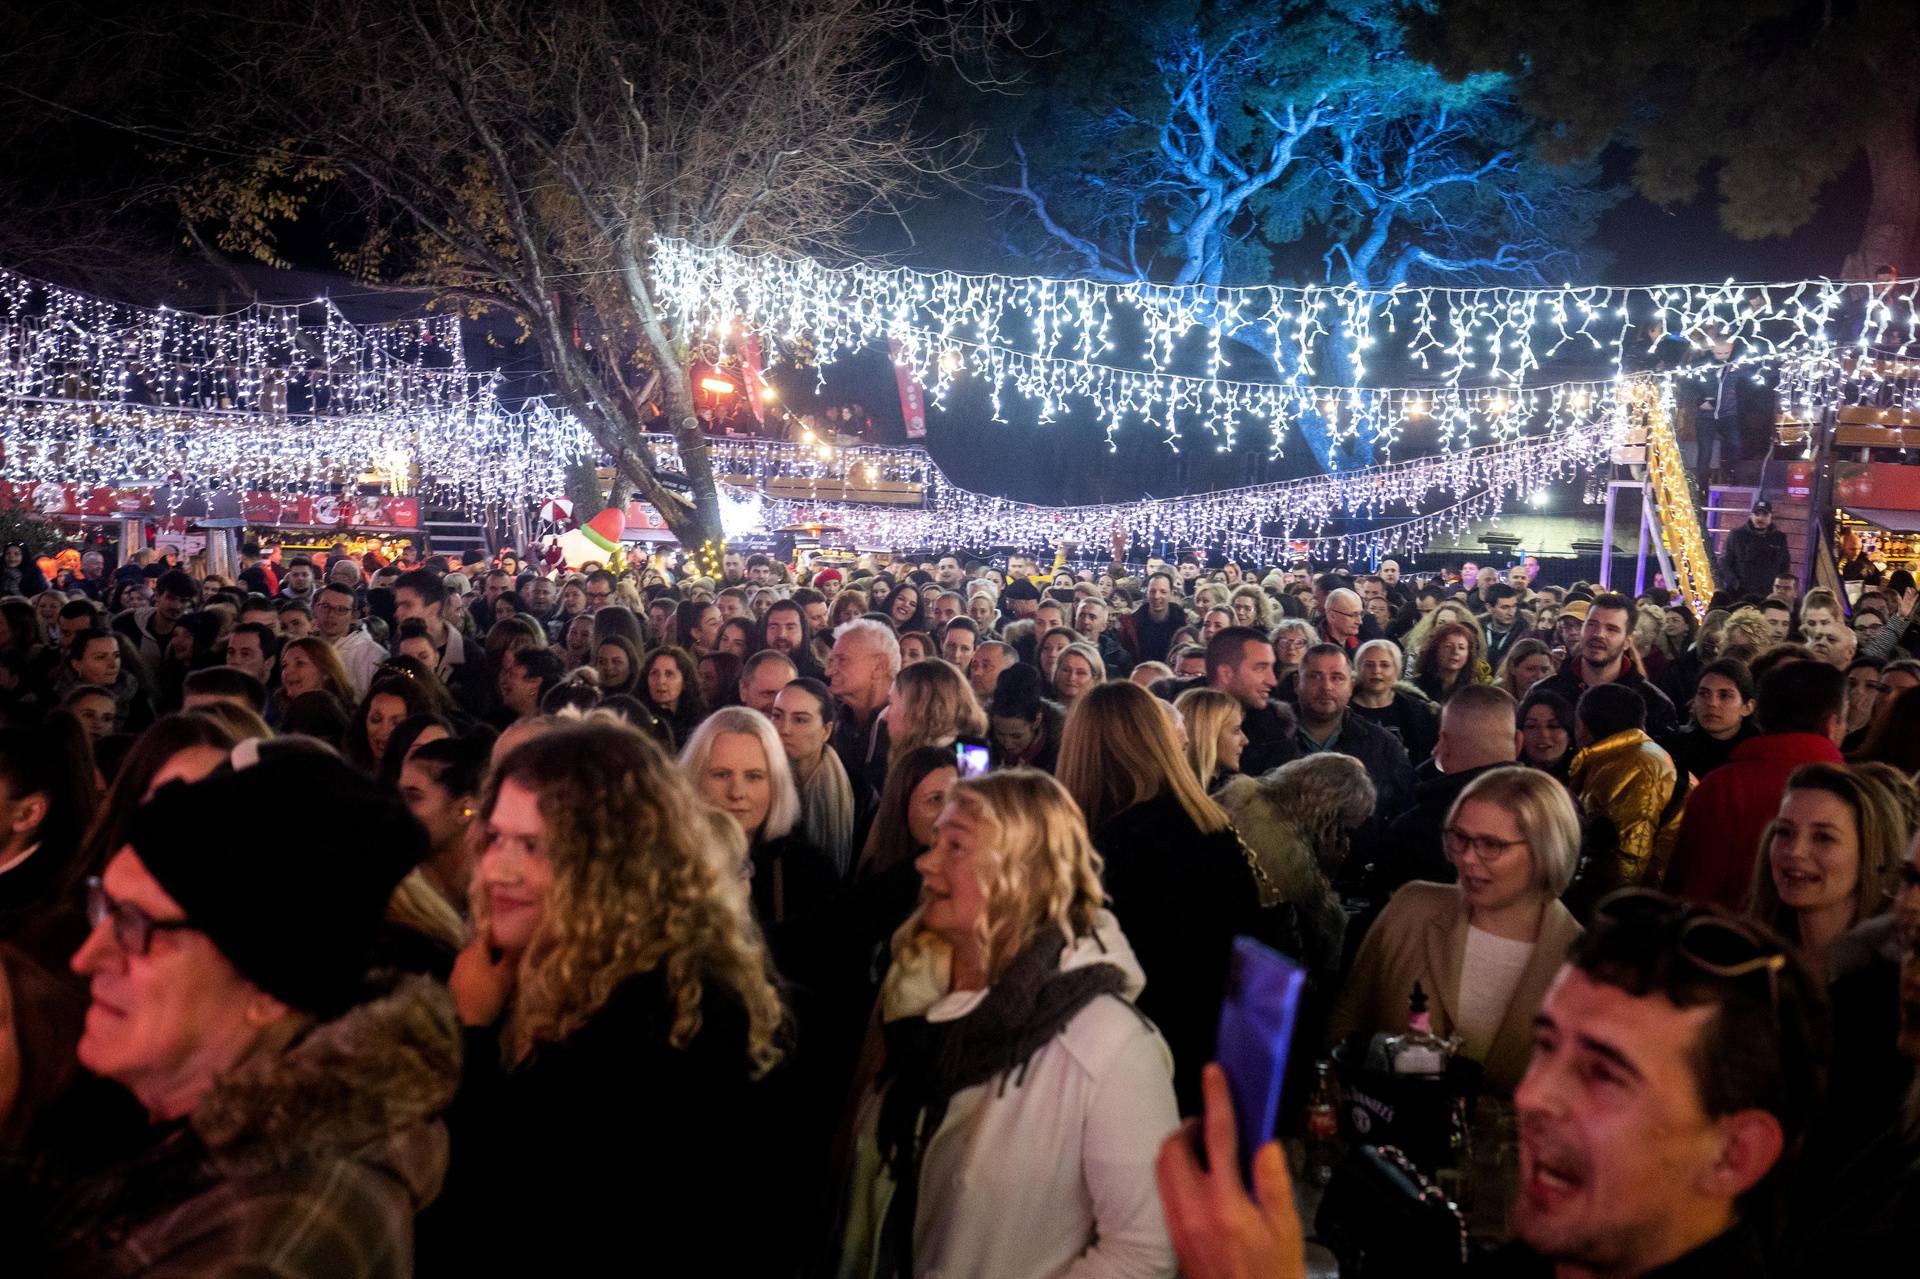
(932, 705)
(1037, 865)
(1205, 712)
(1118, 750)
(638, 885)
(1416, 639)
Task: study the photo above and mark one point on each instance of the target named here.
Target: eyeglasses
(1484, 849)
(1716, 944)
(133, 928)
(599, 595)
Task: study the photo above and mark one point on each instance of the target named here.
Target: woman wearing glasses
(1485, 949)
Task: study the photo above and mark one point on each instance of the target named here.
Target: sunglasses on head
(1717, 944)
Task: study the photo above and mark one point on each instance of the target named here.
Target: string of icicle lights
(304, 360)
(1265, 522)
(1050, 340)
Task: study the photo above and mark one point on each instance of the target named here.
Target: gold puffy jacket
(1630, 780)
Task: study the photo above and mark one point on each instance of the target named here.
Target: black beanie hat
(296, 913)
(1020, 589)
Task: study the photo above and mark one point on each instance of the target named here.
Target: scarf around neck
(928, 1062)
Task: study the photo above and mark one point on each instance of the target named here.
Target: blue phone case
(1256, 1031)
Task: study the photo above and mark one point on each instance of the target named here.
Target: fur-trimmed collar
(365, 1084)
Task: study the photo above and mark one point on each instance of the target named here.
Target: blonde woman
(1012, 1126)
(1251, 607)
(618, 995)
(932, 705)
(739, 767)
(1182, 883)
(1078, 669)
(1484, 949)
(1214, 736)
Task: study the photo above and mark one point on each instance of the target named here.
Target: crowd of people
(875, 918)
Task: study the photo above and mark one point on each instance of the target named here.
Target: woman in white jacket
(1013, 1125)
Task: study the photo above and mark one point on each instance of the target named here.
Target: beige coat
(1422, 936)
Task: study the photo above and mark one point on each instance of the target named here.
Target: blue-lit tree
(1210, 144)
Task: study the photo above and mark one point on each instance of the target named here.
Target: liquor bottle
(1419, 1051)
(1322, 1127)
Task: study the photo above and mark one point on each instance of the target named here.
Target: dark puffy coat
(1181, 898)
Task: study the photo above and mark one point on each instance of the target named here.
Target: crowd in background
(874, 917)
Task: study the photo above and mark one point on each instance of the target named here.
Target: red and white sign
(282, 510)
(645, 524)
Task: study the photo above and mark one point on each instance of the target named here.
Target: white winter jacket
(1049, 1176)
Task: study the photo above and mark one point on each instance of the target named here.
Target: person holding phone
(622, 1025)
(1018, 1102)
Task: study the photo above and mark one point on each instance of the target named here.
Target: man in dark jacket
(1240, 664)
(1478, 732)
(1324, 691)
(1756, 554)
(1602, 659)
(1148, 631)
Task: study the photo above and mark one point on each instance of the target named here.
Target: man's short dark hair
(80, 608)
(1607, 709)
(293, 606)
(1430, 590)
(1160, 572)
(758, 561)
(1228, 646)
(1500, 591)
(1868, 661)
(1734, 671)
(458, 764)
(1332, 582)
(497, 572)
(1774, 601)
(1800, 697)
(966, 624)
(413, 628)
(179, 584)
(340, 588)
(542, 664)
(1766, 1045)
(805, 595)
(226, 681)
(431, 590)
(1324, 650)
(1614, 599)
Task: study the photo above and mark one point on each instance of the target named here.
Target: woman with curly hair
(904, 609)
(1251, 607)
(1011, 1123)
(1454, 657)
(1417, 639)
(622, 1023)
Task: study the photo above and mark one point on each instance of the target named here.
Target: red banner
(913, 396)
(282, 510)
(1882, 485)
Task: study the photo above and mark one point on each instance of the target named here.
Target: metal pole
(1640, 555)
(1606, 541)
